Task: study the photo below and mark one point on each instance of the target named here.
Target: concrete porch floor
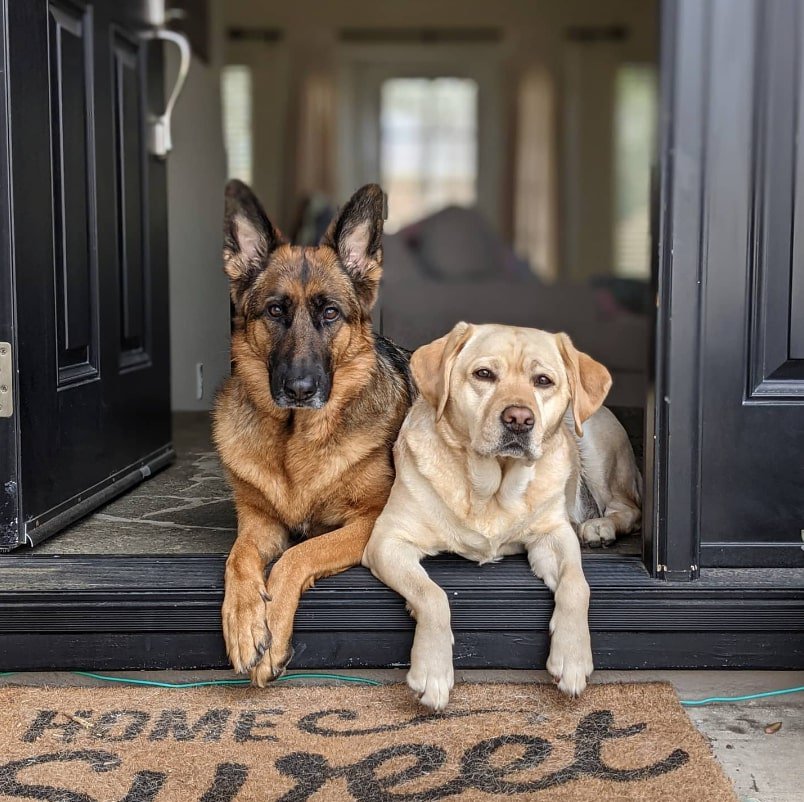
(763, 767)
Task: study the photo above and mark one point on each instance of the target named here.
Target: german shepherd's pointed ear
(589, 381)
(248, 238)
(356, 236)
(431, 365)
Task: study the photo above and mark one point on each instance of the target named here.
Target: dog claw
(253, 662)
(265, 670)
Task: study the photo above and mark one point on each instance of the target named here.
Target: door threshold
(163, 611)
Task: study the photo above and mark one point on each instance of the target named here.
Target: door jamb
(671, 545)
(10, 500)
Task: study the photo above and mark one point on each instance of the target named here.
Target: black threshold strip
(163, 611)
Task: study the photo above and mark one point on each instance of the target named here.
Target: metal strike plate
(6, 381)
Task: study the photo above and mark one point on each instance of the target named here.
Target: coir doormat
(326, 744)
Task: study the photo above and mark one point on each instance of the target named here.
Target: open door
(728, 489)
(86, 389)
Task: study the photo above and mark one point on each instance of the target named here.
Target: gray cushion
(456, 244)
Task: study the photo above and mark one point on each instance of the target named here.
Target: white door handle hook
(159, 138)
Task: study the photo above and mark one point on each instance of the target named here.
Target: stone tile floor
(187, 508)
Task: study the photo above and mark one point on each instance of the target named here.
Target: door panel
(776, 369)
(752, 471)
(89, 260)
(129, 155)
(730, 473)
(797, 260)
(73, 180)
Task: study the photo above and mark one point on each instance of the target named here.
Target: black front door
(84, 263)
(729, 484)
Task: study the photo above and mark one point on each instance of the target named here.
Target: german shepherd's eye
(484, 374)
(331, 313)
(275, 310)
(542, 381)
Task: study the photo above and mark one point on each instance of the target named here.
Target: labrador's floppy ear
(431, 365)
(589, 381)
(356, 236)
(248, 238)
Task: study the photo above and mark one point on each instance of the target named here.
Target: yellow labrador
(505, 450)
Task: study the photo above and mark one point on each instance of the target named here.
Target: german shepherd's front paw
(278, 653)
(245, 626)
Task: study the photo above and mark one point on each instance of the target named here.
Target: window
(237, 130)
(634, 133)
(428, 146)
(535, 232)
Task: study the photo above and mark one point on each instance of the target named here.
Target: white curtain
(315, 151)
(535, 235)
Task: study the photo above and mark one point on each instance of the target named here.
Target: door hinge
(6, 381)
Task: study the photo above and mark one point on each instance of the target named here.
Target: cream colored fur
(464, 486)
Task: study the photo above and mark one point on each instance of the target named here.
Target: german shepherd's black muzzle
(300, 383)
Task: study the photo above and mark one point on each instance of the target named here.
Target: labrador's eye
(275, 310)
(331, 313)
(484, 374)
(543, 381)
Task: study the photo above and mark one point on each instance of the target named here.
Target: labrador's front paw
(431, 675)
(570, 659)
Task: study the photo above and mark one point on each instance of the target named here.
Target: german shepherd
(306, 423)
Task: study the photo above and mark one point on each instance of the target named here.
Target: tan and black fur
(306, 423)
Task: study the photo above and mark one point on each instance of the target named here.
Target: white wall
(199, 299)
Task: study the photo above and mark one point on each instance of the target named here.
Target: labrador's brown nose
(517, 419)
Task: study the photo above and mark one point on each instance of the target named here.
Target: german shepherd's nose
(300, 388)
(517, 419)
